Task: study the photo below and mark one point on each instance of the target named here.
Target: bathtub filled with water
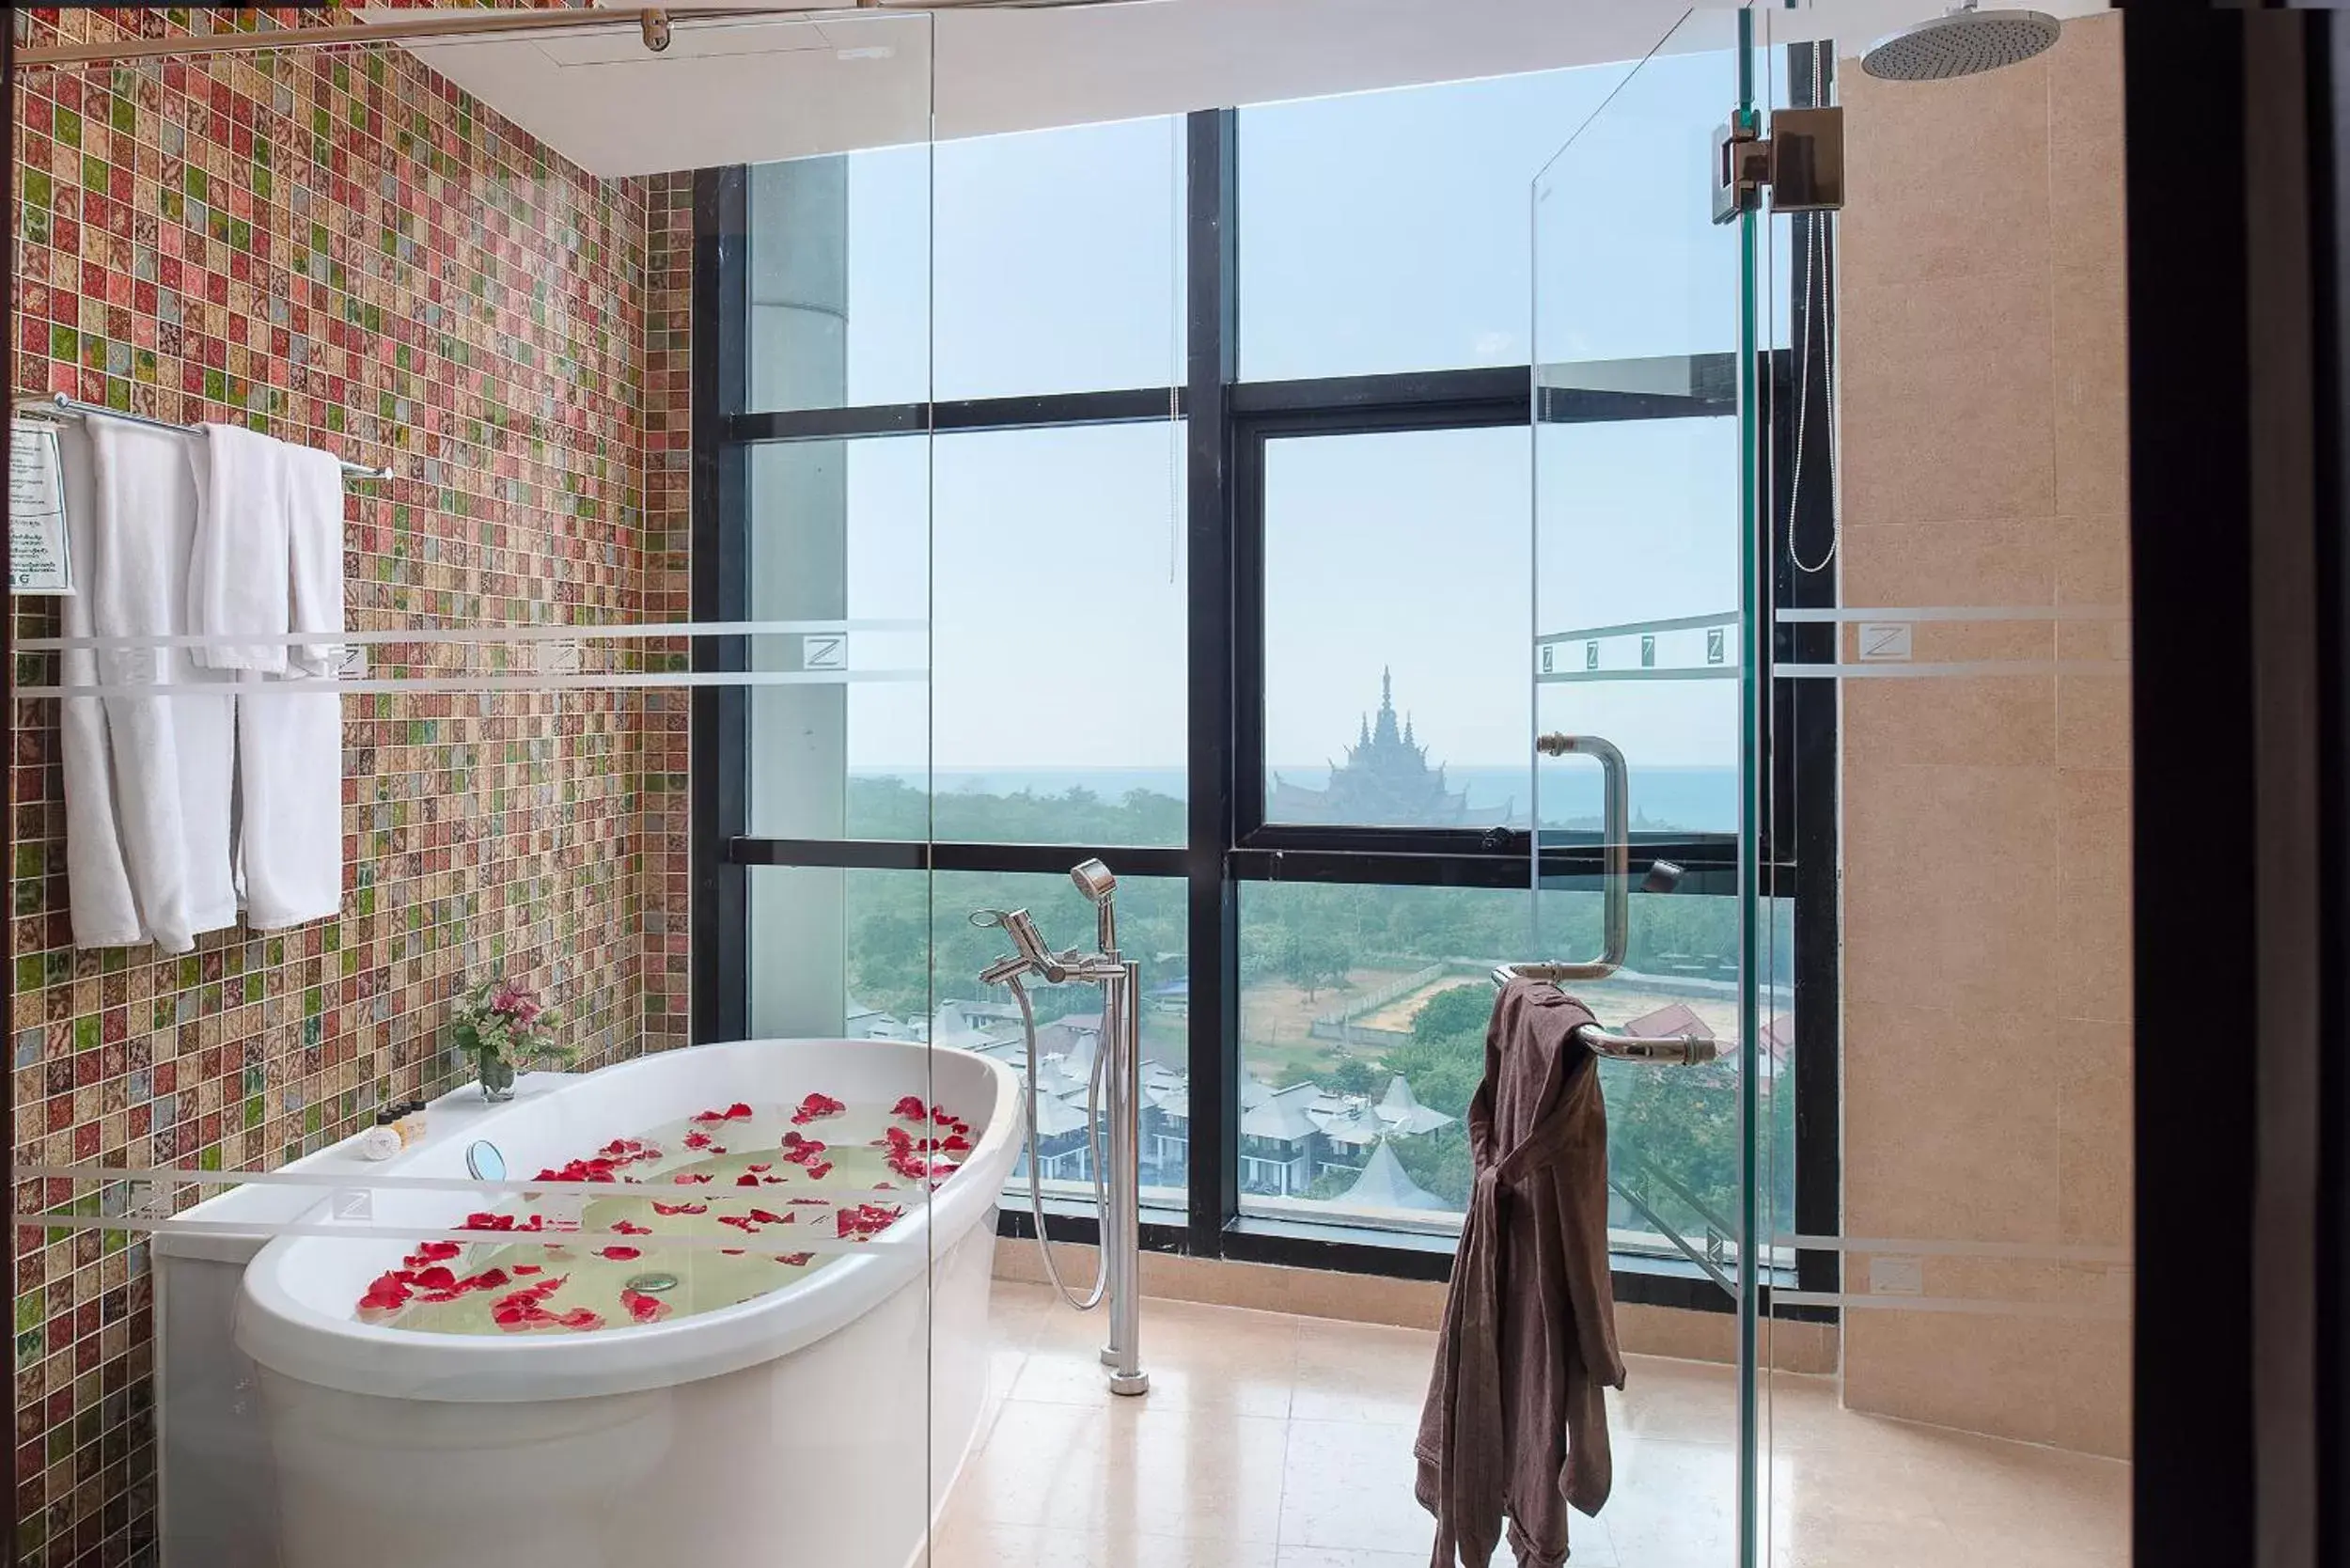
(753, 1288)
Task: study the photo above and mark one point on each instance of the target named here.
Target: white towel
(104, 911)
(170, 752)
(237, 574)
(290, 745)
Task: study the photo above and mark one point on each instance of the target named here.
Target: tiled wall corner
(669, 594)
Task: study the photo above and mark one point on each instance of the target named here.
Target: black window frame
(1228, 841)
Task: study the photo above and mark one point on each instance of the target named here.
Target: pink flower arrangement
(502, 1024)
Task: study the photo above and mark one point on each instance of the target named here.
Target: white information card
(38, 561)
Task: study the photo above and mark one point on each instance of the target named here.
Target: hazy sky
(1381, 232)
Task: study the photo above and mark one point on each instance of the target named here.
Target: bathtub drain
(651, 1284)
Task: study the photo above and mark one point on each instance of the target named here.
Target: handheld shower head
(1094, 881)
(1028, 942)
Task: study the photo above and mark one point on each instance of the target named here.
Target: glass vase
(497, 1079)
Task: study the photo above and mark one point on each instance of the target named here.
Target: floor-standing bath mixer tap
(1114, 1092)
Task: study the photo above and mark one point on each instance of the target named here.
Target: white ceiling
(730, 91)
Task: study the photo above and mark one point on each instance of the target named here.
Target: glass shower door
(1644, 697)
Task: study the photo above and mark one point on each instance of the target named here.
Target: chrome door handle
(1616, 864)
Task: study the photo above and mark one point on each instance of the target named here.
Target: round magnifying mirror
(484, 1161)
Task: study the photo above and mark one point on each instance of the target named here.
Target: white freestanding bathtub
(789, 1428)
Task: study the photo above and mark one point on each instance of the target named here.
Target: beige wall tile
(1952, 1124)
(2092, 720)
(2095, 1151)
(1950, 886)
(1982, 1372)
(2092, 557)
(1914, 211)
(2094, 836)
(1946, 396)
(1957, 561)
(2089, 317)
(2091, 1386)
(1990, 720)
(2088, 205)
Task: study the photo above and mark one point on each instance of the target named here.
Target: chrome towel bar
(59, 406)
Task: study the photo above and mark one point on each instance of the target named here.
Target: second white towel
(269, 562)
(290, 745)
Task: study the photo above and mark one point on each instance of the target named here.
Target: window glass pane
(1387, 232)
(1058, 712)
(1637, 542)
(1396, 620)
(839, 541)
(1363, 1016)
(1059, 261)
(1672, 1131)
(839, 280)
(1049, 261)
(1060, 697)
(1356, 1004)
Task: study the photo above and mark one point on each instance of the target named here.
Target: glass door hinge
(1801, 162)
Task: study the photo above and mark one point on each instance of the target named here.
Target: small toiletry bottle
(408, 1117)
(419, 1116)
(383, 1141)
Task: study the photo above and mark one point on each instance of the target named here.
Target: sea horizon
(1691, 796)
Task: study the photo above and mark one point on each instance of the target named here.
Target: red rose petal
(630, 1228)
(618, 1254)
(643, 1307)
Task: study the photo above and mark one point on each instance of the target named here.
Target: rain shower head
(1093, 880)
(1960, 43)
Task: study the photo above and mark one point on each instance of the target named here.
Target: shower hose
(1035, 1165)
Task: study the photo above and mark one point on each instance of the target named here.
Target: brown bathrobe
(1516, 1422)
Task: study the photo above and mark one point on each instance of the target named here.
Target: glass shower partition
(1644, 691)
(635, 1313)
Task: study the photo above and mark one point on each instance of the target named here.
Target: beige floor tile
(1198, 1357)
(1352, 1372)
(1685, 1401)
(1208, 1470)
(1340, 1557)
(1349, 1483)
(1675, 1505)
(1202, 1475)
(978, 1543)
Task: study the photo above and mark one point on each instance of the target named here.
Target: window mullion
(1211, 356)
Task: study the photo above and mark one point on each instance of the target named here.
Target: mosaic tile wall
(345, 251)
(669, 595)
